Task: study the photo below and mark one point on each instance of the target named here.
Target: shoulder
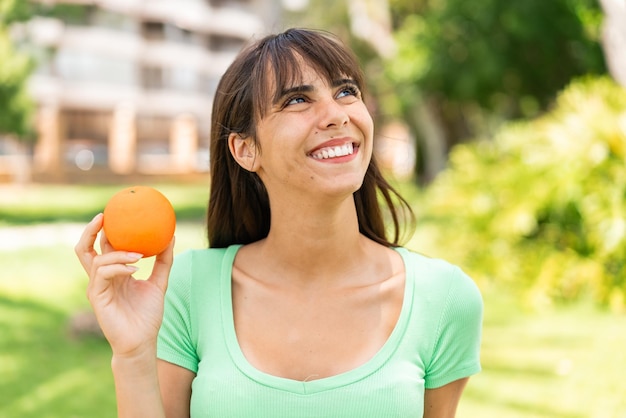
(193, 263)
(439, 280)
(206, 257)
(199, 254)
(447, 310)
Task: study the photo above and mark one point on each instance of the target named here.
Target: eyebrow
(343, 81)
(297, 89)
(307, 88)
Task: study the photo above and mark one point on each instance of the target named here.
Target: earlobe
(244, 151)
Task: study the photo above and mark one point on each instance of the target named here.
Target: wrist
(137, 384)
(138, 362)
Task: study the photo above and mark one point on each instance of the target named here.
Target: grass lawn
(563, 362)
(51, 203)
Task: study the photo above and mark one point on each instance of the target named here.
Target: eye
(348, 90)
(295, 100)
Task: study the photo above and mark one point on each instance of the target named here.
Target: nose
(333, 115)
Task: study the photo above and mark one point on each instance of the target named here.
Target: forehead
(294, 58)
(303, 74)
(293, 68)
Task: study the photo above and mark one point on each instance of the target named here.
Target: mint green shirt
(435, 341)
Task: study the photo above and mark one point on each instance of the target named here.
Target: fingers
(162, 266)
(84, 248)
(107, 267)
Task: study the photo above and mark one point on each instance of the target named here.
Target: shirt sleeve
(175, 342)
(456, 353)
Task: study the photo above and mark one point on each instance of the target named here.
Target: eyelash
(289, 100)
(353, 90)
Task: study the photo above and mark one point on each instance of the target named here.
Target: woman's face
(317, 139)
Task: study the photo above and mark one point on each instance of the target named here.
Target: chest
(314, 335)
(390, 384)
(395, 390)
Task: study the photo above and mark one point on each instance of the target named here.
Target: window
(153, 31)
(221, 43)
(87, 125)
(176, 34)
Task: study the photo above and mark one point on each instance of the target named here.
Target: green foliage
(15, 103)
(504, 58)
(15, 10)
(542, 205)
(16, 106)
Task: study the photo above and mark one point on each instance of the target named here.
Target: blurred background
(503, 123)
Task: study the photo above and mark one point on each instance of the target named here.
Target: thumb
(162, 266)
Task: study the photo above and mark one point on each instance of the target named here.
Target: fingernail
(97, 216)
(135, 256)
(132, 269)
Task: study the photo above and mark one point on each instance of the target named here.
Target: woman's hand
(129, 311)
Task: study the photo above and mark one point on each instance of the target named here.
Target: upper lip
(335, 142)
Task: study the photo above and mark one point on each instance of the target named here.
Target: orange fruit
(139, 219)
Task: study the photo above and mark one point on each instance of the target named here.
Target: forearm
(137, 386)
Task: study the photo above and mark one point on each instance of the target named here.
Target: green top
(435, 341)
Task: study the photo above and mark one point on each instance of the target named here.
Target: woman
(302, 307)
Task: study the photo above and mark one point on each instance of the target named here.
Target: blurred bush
(541, 206)
(16, 106)
(462, 69)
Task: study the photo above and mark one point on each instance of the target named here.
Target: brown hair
(239, 210)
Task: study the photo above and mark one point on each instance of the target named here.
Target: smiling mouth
(334, 152)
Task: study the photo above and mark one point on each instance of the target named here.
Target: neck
(315, 242)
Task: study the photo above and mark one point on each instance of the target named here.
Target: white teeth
(330, 152)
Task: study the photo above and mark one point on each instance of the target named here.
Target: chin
(347, 188)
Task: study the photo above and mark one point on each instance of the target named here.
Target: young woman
(302, 307)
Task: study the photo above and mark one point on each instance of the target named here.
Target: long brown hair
(239, 210)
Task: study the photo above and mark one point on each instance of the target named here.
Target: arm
(130, 313)
(137, 386)
(175, 389)
(443, 401)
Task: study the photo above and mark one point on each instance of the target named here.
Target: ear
(244, 151)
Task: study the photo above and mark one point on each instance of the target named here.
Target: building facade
(126, 86)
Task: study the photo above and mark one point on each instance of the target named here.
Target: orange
(139, 219)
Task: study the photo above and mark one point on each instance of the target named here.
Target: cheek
(366, 125)
(363, 119)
